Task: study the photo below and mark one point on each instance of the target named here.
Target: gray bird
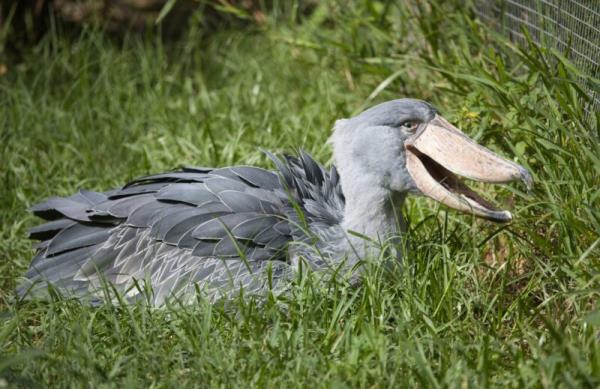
(220, 231)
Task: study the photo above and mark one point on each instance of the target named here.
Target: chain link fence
(570, 26)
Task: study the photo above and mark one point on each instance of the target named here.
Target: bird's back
(214, 230)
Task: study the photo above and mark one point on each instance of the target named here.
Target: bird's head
(406, 146)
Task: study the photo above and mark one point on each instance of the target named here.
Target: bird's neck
(372, 211)
(372, 215)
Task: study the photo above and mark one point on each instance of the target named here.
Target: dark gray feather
(240, 201)
(226, 172)
(219, 184)
(120, 208)
(60, 266)
(48, 230)
(261, 254)
(204, 249)
(250, 228)
(190, 193)
(176, 176)
(93, 197)
(283, 227)
(221, 226)
(267, 234)
(177, 232)
(103, 258)
(77, 236)
(312, 170)
(278, 242)
(228, 247)
(138, 189)
(73, 207)
(197, 169)
(143, 216)
(259, 178)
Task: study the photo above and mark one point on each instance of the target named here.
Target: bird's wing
(209, 227)
(315, 208)
(313, 188)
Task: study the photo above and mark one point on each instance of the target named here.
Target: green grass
(475, 303)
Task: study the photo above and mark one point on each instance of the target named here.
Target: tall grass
(473, 303)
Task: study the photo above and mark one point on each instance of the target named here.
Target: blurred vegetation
(475, 304)
(25, 22)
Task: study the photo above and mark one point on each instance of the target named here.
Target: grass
(475, 304)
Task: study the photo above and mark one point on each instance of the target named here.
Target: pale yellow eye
(410, 125)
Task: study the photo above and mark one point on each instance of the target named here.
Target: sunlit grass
(474, 303)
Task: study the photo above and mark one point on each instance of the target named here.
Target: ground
(474, 303)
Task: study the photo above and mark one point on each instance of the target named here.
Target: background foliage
(474, 304)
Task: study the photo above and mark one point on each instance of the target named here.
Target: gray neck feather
(371, 209)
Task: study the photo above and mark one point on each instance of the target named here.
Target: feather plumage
(219, 229)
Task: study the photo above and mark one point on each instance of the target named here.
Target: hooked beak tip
(526, 177)
(505, 217)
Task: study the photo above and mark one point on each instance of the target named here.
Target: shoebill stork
(224, 230)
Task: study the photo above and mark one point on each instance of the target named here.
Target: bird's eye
(410, 125)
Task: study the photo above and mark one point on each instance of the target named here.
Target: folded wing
(218, 230)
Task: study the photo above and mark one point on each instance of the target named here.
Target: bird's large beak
(439, 152)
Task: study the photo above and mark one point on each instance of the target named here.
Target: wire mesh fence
(570, 26)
